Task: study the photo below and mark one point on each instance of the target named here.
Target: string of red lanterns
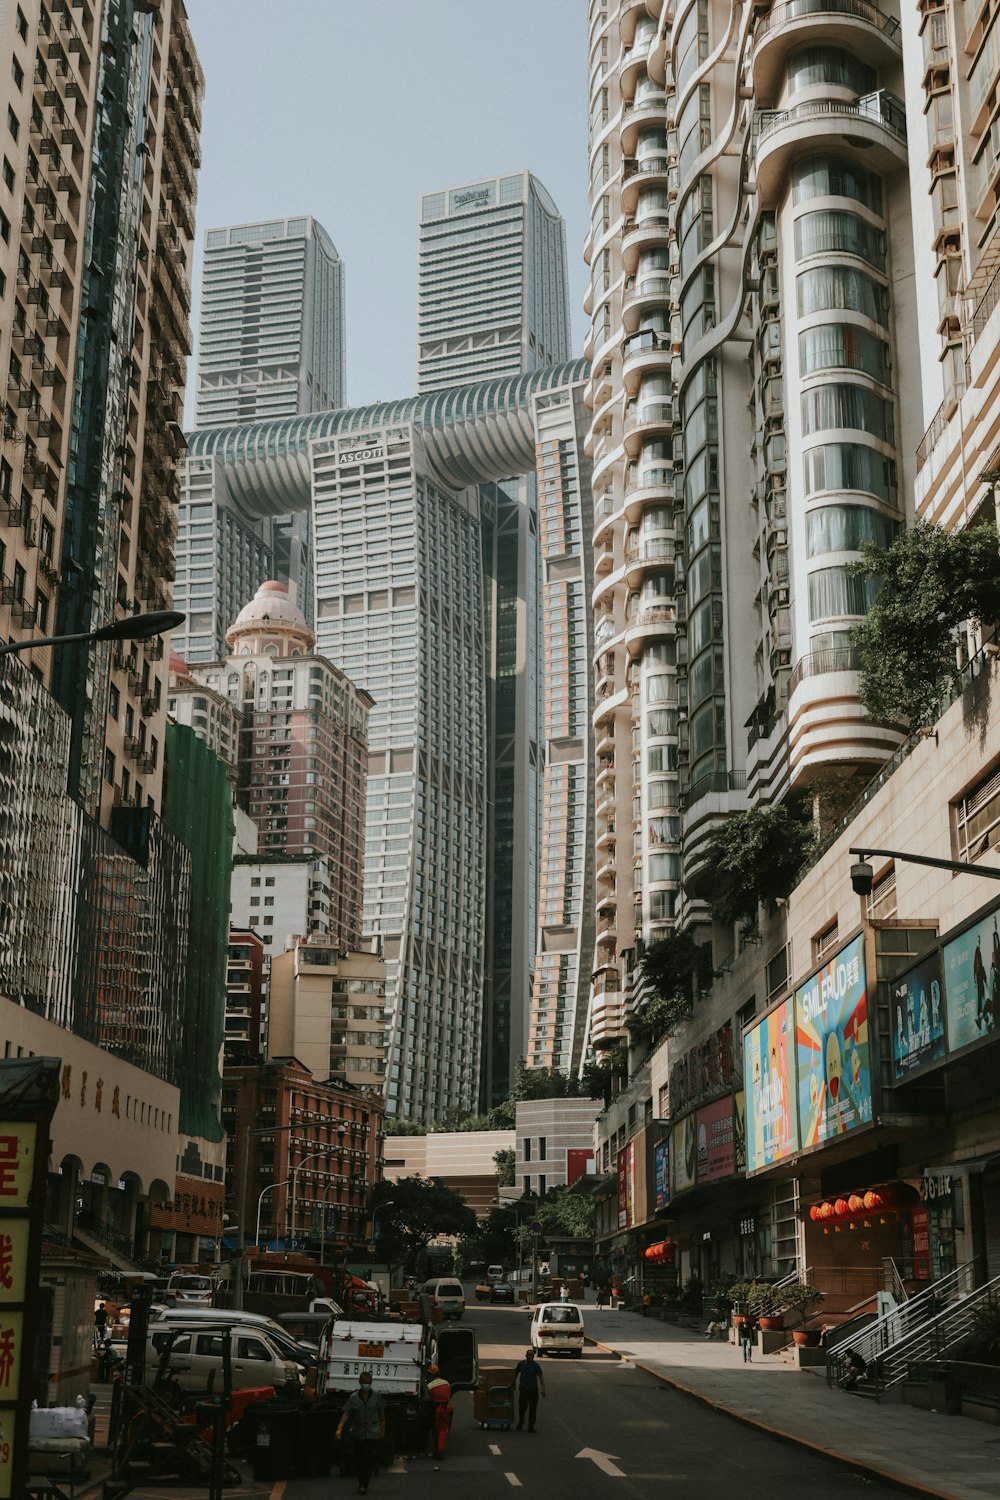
(891, 1196)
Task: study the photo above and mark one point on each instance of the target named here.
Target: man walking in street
(528, 1374)
(364, 1418)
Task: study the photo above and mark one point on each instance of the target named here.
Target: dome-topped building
(271, 625)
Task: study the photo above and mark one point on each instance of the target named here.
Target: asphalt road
(605, 1429)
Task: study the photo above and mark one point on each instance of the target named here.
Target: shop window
(976, 817)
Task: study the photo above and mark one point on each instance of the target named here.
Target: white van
(284, 1339)
(556, 1328)
(446, 1295)
(186, 1289)
(494, 1273)
(196, 1359)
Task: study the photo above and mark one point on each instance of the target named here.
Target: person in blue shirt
(528, 1376)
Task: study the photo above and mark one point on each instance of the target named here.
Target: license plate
(263, 1440)
(371, 1351)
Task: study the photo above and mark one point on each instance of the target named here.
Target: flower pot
(738, 1318)
(773, 1324)
(807, 1338)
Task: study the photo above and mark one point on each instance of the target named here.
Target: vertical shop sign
(661, 1174)
(917, 1018)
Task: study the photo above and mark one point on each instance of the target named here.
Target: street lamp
(313, 1156)
(389, 1203)
(140, 627)
(863, 876)
(260, 1203)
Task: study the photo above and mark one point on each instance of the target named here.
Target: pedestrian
(564, 1293)
(528, 1372)
(646, 1303)
(856, 1370)
(439, 1392)
(601, 1295)
(100, 1324)
(364, 1418)
(748, 1333)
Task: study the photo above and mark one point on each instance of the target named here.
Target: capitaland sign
(472, 197)
(360, 455)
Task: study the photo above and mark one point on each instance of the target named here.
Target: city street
(605, 1428)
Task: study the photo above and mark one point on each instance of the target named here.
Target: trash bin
(319, 1433)
(944, 1393)
(276, 1438)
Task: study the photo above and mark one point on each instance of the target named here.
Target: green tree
(505, 1168)
(565, 1212)
(929, 581)
(680, 972)
(420, 1210)
(754, 857)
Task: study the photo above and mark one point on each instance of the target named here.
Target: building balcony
(643, 353)
(648, 233)
(605, 510)
(609, 706)
(873, 128)
(604, 560)
(654, 624)
(644, 171)
(828, 726)
(856, 25)
(642, 292)
(606, 829)
(629, 13)
(638, 115)
(647, 419)
(650, 486)
(647, 556)
(607, 874)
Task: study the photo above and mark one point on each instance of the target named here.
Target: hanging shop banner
(769, 1080)
(917, 1018)
(716, 1144)
(661, 1174)
(972, 983)
(831, 1039)
(626, 1186)
(683, 1156)
(739, 1133)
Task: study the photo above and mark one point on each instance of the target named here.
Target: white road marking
(513, 1479)
(603, 1461)
(494, 1450)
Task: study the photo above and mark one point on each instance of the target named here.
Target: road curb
(856, 1465)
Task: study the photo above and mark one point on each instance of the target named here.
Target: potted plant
(801, 1298)
(762, 1302)
(737, 1293)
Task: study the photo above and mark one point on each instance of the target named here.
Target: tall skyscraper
(270, 344)
(271, 336)
(408, 500)
(493, 282)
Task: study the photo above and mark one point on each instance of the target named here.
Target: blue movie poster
(831, 1048)
(917, 1018)
(972, 983)
(661, 1172)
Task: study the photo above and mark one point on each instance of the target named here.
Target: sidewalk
(924, 1452)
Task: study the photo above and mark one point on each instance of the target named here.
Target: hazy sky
(350, 109)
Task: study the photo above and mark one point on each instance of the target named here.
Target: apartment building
(326, 1006)
(793, 251)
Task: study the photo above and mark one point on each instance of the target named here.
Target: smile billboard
(831, 1046)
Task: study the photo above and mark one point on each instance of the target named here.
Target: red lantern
(826, 1209)
(815, 1212)
(856, 1203)
(872, 1200)
(841, 1209)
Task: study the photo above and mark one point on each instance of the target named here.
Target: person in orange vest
(439, 1392)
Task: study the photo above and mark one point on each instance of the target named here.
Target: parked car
(195, 1359)
(494, 1273)
(446, 1294)
(186, 1289)
(502, 1291)
(556, 1328)
(285, 1340)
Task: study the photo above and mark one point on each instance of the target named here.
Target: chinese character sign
(917, 1018)
(623, 1219)
(661, 1174)
(714, 1124)
(831, 1037)
(8, 1420)
(14, 1239)
(769, 1079)
(17, 1164)
(972, 983)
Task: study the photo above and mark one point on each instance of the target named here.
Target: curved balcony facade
(874, 127)
(788, 28)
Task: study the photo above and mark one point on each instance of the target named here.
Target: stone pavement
(925, 1452)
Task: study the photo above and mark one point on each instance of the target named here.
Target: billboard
(917, 1018)
(972, 983)
(661, 1175)
(831, 1046)
(579, 1163)
(769, 1082)
(716, 1140)
(739, 1133)
(626, 1186)
(683, 1156)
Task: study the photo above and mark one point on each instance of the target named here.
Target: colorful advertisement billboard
(683, 1156)
(769, 1082)
(831, 1045)
(972, 983)
(626, 1186)
(716, 1141)
(661, 1175)
(917, 1018)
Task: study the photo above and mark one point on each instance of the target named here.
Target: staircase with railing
(120, 1246)
(927, 1326)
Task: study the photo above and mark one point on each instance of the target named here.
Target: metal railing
(937, 1339)
(714, 781)
(878, 1342)
(817, 663)
(797, 10)
(879, 109)
(110, 1237)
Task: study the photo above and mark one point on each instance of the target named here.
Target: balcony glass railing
(797, 10)
(880, 108)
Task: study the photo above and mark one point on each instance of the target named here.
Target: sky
(350, 109)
